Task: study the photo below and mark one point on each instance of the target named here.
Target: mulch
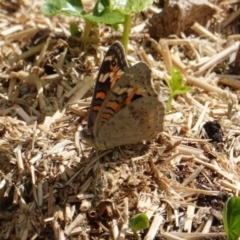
(53, 186)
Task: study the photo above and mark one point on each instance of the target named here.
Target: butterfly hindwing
(140, 120)
(131, 112)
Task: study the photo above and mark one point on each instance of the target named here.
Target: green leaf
(74, 30)
(231, 218)
(139, 221)
(111, 18)
(176, 78)
(182, 90)
(130, 6)
(176, 86)
(101, 11)
(67, 7)
(101, 7)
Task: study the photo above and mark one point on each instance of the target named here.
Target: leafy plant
(231, 218)
(127, 8)
(138, 222)
(105, 11)
(176, 86)
(101, 13)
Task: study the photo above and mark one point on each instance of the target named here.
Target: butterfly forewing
(113, 66)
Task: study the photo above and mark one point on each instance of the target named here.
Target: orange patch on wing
(101, 95)
(107, 116)
(114, 106)
(96, 108)
(130, 97)
(115, 77)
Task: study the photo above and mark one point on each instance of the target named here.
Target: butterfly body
(130, 111)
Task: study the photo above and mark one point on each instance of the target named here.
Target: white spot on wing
(118, 90)
(108, 58)
(103, 77)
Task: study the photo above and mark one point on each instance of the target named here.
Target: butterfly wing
(140, 120)
(113, 66)
(131, 111)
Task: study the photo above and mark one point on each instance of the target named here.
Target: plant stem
(86, 33)
(169, 102)
(126, 30)
(136, 235)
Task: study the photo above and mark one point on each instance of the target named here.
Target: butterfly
(125, 109)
